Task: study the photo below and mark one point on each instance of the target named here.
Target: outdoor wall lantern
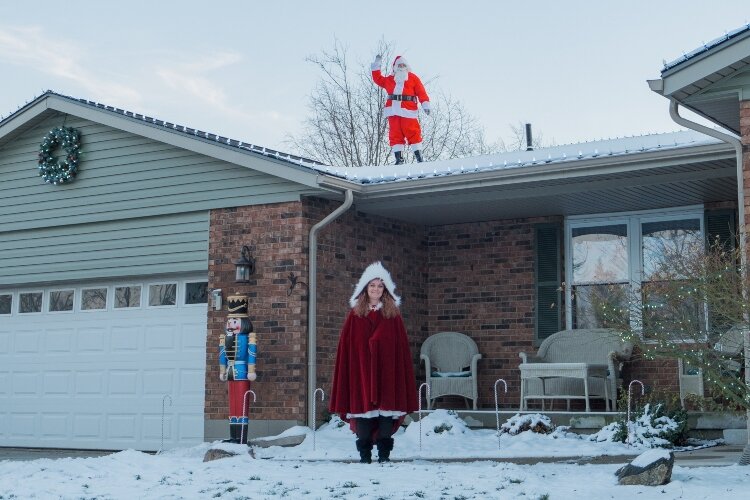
(245, 266)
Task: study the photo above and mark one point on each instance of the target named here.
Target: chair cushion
(450, 374)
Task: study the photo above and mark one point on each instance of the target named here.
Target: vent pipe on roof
(529, 147)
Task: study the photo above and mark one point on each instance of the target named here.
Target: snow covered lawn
(326, 471)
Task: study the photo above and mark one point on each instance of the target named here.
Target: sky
(576, 70)
(329, 469)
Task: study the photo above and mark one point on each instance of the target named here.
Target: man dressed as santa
(405, 90)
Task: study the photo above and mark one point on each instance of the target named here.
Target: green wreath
(62, 171)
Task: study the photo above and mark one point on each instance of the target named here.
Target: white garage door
(91, 366)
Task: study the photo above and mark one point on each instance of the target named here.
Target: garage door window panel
(162, 294)
(93, 299)
(196, 293)
(6, 303)
(127, 297)
(61, 301)
(30, 302)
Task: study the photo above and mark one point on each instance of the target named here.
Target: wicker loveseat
(575, 364)
(450, 360)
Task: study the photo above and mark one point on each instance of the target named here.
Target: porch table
(544, 371)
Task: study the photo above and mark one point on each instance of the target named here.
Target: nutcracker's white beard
(400, 75)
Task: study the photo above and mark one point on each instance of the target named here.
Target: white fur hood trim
(375, 270)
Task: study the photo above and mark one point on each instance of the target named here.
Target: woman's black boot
(384, 450)
(364, 447)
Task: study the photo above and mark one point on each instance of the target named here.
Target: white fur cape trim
(375, 270)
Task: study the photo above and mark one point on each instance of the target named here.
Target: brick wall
(345, 248)
(276, 236)
(481, 283)
(475, 278)
(745, 138)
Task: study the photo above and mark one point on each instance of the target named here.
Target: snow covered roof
(705, 47)
(385, 174)
(565, 154)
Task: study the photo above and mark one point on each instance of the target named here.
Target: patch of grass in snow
(442, 428)
(350, 484)
(515, 481)
(254, 478)
(544, 497)
(418, 494)
(137, 477)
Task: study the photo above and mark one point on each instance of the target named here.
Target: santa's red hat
(401, 60)
(375, 270)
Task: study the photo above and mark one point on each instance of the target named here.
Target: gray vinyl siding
(130, 247)
(122, 176)
(138, 206)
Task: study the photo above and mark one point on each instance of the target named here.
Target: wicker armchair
(450, 360)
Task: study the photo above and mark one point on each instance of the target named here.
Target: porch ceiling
(663, 187)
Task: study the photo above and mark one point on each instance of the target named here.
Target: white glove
(377, 63)
(426, 107)
(426, 111)
(223, 373)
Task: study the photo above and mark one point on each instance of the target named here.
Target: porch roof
(628, 174)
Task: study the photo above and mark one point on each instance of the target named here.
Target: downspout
(312, 289)
(734, 141)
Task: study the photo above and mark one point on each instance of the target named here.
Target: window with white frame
(6, 303)
(614, 266)
(162, 294)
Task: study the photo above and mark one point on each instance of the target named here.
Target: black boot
(418, 155)
(399, 157)
(384, 450)
(364, 447)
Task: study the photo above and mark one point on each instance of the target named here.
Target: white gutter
(312, 290)
(737, 143)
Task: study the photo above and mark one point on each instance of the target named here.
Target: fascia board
(704, 65)
(266, 165)
(567, 170)
(22, 117)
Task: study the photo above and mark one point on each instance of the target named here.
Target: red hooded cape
(374, 368)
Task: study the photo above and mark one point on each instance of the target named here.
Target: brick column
(745, 137)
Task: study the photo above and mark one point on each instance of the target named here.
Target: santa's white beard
(400, 75)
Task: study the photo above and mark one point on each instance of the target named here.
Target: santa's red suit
(374, 375)
(405, 90)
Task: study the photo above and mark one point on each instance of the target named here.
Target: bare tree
(347, 128)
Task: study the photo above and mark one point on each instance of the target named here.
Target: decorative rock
(651, 468)
(216, 454)
(280, 441)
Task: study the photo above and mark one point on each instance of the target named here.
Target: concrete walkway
(705, 457)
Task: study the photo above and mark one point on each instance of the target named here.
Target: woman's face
(375, 290)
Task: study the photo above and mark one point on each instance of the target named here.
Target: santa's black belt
(401, 97)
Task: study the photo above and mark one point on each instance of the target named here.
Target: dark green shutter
(547, 276)
(721, 228)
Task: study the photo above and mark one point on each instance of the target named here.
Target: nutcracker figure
(237, 350)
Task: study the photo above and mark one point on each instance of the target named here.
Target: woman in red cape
(373, 382)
